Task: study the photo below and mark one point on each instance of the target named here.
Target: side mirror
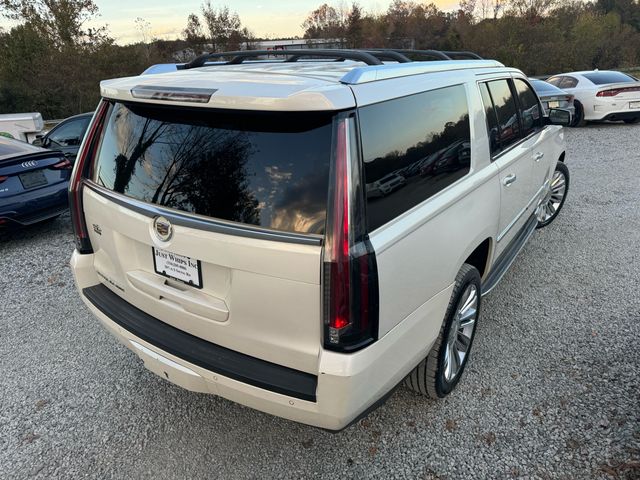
(558, 116)
(38, 141)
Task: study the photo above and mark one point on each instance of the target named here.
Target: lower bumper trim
(195, 350)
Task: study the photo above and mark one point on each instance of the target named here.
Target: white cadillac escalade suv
(232, 231)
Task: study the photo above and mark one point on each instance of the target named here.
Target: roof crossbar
(293, 55)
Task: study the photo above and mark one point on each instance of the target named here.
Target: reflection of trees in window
(192, 168)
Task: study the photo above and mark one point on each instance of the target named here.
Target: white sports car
(602, 95)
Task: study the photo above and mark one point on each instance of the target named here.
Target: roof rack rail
(462, 54)
(389, 55)
(437, 54)
(293, 55)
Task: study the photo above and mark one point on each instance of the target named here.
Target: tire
(631, 121)
(578, 118)
(430, 376)
(554, 201)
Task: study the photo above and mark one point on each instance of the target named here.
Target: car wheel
(553, 201)
(439, 373)
(632, 120)
(578, 118)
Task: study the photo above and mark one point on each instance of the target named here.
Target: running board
(507, 257)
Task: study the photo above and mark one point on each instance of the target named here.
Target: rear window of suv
(601, 78)
(265, 169)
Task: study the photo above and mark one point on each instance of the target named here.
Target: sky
(265, 18)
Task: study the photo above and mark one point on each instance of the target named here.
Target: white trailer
(21, 126)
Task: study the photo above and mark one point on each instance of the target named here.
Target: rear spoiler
(163, 68)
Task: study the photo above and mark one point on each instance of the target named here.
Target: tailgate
(213, 221)
(258, 297)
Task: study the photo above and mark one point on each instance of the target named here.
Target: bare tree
(324, 22)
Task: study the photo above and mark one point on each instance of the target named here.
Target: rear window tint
(600, 78)
(544, 88)
(269, 170)
(413, 148)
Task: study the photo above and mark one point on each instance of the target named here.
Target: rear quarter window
(264, 169)
(413, 147)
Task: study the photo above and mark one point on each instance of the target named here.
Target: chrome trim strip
(201, 222)
(523, 211)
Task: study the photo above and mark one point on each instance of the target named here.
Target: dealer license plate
(176, 266)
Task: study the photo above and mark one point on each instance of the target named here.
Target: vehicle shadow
(57, 225)
(608, 124)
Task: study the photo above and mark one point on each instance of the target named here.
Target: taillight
(83, 161)
(63, 165)
(615, 91)
(3, 178)
(350, 306)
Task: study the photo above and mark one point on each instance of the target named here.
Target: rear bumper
(36, 205)
(618, 116)
(603, 112)
(344, 387)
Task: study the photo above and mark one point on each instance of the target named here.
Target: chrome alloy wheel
(461, 332)
(553, 199)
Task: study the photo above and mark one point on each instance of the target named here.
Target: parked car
(21, 126)
(552, 97)
(601, 95)
(224, 234)
(33, 183)
(66, 136)
(389, 183)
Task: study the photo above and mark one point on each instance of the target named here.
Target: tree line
(52, 61)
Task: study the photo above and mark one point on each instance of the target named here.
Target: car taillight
(63, 165)
(350, 287)
(3, 178)
(615, 91)
(83, 161)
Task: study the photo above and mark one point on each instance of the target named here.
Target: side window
(568, 82)
(413, 147)
(529, 107)
(506, 111)
(555, 81)
(70, 134)
(492, 120)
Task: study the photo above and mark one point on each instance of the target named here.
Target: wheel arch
(480, 255)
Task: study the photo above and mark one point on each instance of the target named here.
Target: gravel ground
(552, 390)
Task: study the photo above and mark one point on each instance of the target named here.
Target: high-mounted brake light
(83, 161)
(173, 94)
(350, 272)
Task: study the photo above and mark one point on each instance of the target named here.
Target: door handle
(192, 301)
(509, 179)
(538, 156)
